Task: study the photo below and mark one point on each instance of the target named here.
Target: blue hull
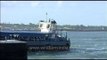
(37, 40)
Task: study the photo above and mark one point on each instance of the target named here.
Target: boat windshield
(48, 26)
(40, 25)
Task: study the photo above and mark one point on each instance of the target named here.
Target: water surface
(88, 45)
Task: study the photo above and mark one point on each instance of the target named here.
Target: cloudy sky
(64, 12)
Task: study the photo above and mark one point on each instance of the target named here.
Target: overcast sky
(64, 12)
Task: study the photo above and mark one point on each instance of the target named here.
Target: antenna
(46, 16)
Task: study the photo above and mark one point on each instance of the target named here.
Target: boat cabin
(47, 26)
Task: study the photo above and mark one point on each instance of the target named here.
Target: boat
(47, 39)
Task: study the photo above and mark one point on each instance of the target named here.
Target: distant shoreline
(64, 30)
(83, 30)
(89, 31)
(34, 27)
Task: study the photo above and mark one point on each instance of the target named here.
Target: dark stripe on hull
(49, 48)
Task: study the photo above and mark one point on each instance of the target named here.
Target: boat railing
(63, 35)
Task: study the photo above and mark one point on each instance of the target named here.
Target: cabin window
(48, 26)
(40, 25)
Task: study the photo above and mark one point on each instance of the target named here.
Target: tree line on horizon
(32, 26)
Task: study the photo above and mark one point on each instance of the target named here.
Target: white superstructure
(47, 26)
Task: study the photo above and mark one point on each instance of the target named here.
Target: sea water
(84, 45)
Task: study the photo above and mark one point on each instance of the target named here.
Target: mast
(46, 16)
